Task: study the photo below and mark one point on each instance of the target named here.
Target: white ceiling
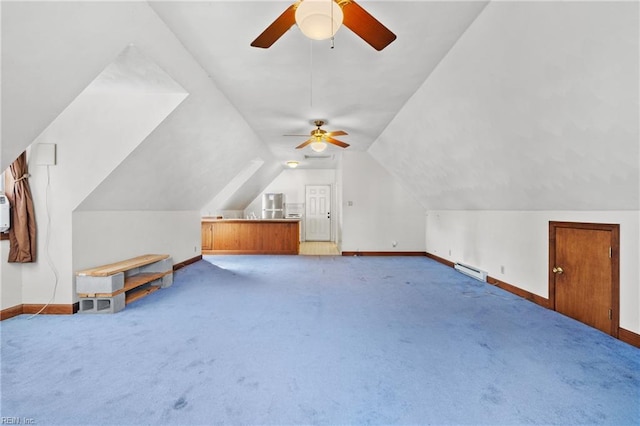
(281, 90)
(476, 105)
(535, 108)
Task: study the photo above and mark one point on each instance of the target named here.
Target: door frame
(615, 265)
(332, 203)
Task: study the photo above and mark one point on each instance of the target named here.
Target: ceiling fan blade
(277, 28)
(337, 142)
(366, 26)
(297, 135)
(305, 143)
(336, 133)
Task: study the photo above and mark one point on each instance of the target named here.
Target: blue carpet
(303, 340)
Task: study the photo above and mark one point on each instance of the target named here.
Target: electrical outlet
(394, 243)
(502, 269)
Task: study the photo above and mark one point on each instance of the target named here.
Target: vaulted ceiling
(476, 105)
(281, 90)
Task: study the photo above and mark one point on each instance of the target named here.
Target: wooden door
(318, 213)
(207, 236)
(583, 276)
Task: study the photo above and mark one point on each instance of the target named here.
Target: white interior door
(318, 213)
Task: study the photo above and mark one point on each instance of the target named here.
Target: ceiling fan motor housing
(318, 133)
(320, 138)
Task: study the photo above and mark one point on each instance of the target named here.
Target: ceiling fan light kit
(319, 19)
(318, 146)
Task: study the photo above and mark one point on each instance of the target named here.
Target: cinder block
(87, 284)
(167, 280)
(131, 272)
(161, 266)
(102, 305)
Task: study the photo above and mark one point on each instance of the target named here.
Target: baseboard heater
(471, 271)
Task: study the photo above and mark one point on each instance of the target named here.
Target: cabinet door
(207, 236)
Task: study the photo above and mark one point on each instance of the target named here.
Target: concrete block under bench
(108, 288)
(102, 305)
(110, 284)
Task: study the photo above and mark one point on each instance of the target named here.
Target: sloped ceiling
(514, 105)
(105, 123)
(133, 72)
(241, 99)
(280, 90)
(58, 48)
(48, 58)
(535, 108)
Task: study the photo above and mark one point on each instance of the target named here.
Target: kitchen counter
(213, 219)
(250, 236)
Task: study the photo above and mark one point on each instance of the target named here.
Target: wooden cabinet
(207, 236)
(250, 236)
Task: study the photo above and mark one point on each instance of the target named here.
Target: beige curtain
(22, 234)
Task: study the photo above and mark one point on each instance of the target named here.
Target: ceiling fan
(320, 19)
(319, 138)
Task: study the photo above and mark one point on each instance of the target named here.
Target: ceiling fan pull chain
(311, 73)
(332, 24)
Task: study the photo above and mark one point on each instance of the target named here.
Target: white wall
(339, 216)
(532, 116)
(382, 210)
(119, 148)
(519, 241)
(10, 273)
(92, 135)
(292, 183)
(101, 237)
(216, 206)
(10, 279)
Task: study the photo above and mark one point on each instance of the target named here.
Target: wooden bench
(108, 288)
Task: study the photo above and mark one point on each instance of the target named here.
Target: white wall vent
(471, 271)
(319, 157)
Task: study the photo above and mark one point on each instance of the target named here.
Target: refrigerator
(272, 206)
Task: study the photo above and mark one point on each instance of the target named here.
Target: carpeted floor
(303, 340)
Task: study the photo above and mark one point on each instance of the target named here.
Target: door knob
(557, 270)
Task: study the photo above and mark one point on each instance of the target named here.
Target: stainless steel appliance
(272, 206)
